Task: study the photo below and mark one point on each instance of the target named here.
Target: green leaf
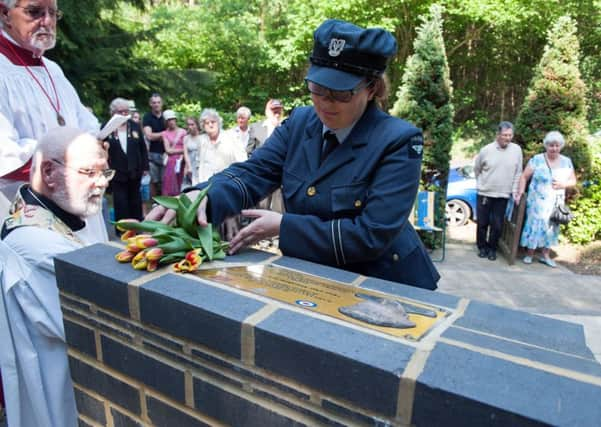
(205, 235)
(188, 220)
(185, 200)
(172, 257)
(175, 245)
(148, 226)
(166, 201)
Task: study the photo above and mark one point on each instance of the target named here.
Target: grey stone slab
(459, 387)
(339, 361)
(528, 328)
(535, 353)
(197, 311)
(162, 414)
(93, 273)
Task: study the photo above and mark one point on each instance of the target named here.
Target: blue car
(461, 196)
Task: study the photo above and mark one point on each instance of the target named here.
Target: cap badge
(336, 46)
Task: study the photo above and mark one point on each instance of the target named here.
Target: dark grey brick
(234, 410)
(459, 387)
(90, 406)
(529, 328)
(66, 299)
(80, 338)
(163, 415)
(150, 371)
(575, 363)
(103, 281)
(122, 420)
(342, 362)
(107, 386)
(196, 311)
(347, 413)
(82, 423)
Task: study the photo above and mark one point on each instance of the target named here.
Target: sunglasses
(337, 95)
(39, 12)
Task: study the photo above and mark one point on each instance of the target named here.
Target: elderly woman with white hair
(550, 174)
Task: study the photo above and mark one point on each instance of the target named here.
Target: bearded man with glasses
(49, 218)
(35, 95)
(348, 171)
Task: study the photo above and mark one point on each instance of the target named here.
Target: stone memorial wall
(258, 340)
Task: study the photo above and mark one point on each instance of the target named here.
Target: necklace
(59, 118)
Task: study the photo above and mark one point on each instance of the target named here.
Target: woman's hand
(557, 185)
(161, 213)
(266, 224)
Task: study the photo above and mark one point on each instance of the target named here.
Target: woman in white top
(191, 146)
(217, 149)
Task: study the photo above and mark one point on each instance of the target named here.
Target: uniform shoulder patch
(416, 147)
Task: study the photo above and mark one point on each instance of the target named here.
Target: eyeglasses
(337, 95)
(39, 12)
(91, 173)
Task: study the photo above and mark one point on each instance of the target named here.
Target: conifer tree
(425, 99)
(556, 99)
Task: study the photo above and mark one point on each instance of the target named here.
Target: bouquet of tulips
(186, 243)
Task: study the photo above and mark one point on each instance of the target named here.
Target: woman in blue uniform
(348, 171)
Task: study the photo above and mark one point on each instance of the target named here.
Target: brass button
(311, 191)
(358, 203)
(395, 257)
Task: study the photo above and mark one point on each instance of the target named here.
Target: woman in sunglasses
(349, 172)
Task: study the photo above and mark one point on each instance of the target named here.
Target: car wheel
(457, 212)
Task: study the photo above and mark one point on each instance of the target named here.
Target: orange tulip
(132, 247)
(190, 263)
(127, 235)
(152, 265)
(124, 256)
(154, 254)
(144, 241)
(139, 262)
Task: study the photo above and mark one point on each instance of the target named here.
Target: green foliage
(425, 99)
(557, 98)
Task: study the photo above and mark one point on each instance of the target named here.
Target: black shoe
(483, 253)
(492, 255)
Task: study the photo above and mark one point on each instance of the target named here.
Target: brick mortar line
(417, 363)
(556, 370)
(133, 291)
(357, 282)
(316, 401)
(502, 338)
(247, 333)
(105, 401)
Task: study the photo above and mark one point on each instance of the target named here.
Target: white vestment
(35, 369)
(26, 116)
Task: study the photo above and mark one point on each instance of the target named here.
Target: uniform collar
(32, 197)
(13, 55)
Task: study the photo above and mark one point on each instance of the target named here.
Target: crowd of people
(499, 177)
(336, 182)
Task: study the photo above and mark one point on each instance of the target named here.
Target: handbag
(561, 213)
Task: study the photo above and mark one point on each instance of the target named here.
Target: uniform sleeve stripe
(334, 243)
(340, 242)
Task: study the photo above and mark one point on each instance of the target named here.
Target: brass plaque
(334, 299)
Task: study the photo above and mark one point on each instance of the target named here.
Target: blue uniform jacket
(351, 212)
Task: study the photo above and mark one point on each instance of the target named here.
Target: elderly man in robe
(35, 95)
(49, 218)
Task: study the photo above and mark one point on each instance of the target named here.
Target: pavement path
(535, 288)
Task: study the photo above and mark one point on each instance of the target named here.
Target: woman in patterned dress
(550, 174)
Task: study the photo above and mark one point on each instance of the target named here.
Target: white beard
(81, 205)
(43, 40)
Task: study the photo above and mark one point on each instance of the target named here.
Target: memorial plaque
(370, 309)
